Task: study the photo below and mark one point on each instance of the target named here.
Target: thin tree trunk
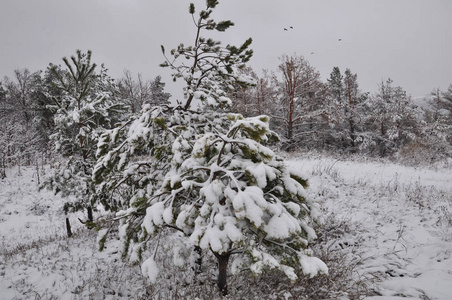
(68, 228)
(352, 134)
(2, 167)
(222, 273)
(37, 170)
(90, 214)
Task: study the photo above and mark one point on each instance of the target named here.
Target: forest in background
(28, 108)
(335, 116)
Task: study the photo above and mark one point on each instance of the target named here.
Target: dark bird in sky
(291, 27)
(312, 52)
(340, 40)
(285, 29)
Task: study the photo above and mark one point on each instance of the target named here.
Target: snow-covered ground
(38, 261)
(399, 234)
(402, 219)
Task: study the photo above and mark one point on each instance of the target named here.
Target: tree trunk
(37, 171)
(90, 214)
(68, 228)
(352, 134)
(222, 273)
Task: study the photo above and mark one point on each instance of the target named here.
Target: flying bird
(340, 40)
(285, 29)
(291, 27)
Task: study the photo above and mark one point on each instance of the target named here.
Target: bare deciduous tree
(301, 97)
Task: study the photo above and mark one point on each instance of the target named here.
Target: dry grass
(343, 281)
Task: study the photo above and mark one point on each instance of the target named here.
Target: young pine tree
(204, 172)
(84, 106)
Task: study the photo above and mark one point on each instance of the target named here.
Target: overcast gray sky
(409, 41)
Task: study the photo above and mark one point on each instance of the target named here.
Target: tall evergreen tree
(158, 95)
(435, 140)
(2, 93)
(350, 105)
(336, 86)
(393, 118)
(347, 109)
(446, 104)
(204, 172)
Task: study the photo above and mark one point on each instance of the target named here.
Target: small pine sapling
(84, 106)
(206, 173)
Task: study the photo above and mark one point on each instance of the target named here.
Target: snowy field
(397, 233)
(402, 219)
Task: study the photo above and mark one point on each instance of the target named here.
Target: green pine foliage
(393, 118)
(206, 173)
(84, 107)
(346, 111)
(209, 67)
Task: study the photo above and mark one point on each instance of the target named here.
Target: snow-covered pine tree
(347, 108)
(446, 105)
(84, 106)
(393, 117)
(434, 141)
(157, 90)
(336, 86)
(204, 172)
